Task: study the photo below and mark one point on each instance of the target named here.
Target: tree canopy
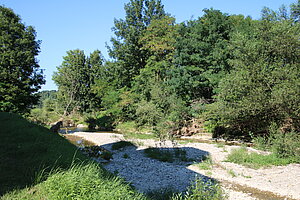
(20, 73)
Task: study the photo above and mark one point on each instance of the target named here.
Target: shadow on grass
(27, 150)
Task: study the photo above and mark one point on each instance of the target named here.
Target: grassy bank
(27, 149)
(49, 167)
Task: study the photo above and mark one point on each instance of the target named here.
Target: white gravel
(147, 174)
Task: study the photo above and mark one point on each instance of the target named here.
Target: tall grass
(202, 190)
(79, 182)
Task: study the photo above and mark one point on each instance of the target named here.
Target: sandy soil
(282, 182)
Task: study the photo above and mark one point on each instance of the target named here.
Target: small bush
(283, 145)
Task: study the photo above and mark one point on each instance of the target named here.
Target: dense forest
(237, 75)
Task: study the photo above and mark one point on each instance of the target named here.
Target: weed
(206, 163)
(202, 189)
(220, 145)
(231, 173)
(208, 173)
(246, 176)
(255, 160)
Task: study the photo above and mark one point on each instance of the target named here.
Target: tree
(263, 87)
(126, 49)
(159, 40)
(201, 55)
(75, 78)
(20, 74)
(295, 11)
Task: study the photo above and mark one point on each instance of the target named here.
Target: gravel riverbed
(148, 175)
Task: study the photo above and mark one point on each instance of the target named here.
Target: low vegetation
(205, 164)
(255, 160)
(88, 181)
(205, 189)
(27, 149)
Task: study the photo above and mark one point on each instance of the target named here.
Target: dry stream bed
(239, 182)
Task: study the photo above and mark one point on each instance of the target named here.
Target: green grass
(206, 164)
(255, 160)
(130, 130)
(27, 149)
(121, 144)
(79, 182)
(29, 153)
(141, 136)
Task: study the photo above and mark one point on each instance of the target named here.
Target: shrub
(283, 145)
(204, 189)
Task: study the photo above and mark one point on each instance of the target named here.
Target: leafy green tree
(126, 49)
(295, 11)
(75, 78)
(159, 40)
(263, 87)
(201, 55)
(20, 74)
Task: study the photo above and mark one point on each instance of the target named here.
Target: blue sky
(64, 25)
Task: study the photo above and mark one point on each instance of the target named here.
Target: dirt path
(239, 182)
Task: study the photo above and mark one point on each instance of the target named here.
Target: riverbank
(239, 182)
(37, 164)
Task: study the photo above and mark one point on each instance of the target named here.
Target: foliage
(283, 145)
(75, 78)
(20, 74)
(265, 77)
(201, 56)
(126, 49)
(204, 189)
(147, 113)
(255, 160)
